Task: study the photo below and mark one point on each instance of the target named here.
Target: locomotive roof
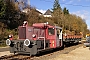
(40, 25)
(58, 27)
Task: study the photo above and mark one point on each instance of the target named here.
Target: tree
(65, 11)
(56, 5)
(13, 15)
(57, 14)
(2, 8)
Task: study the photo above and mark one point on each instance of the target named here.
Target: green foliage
(56, 5)
(10, 18)
(2, 8)
(65, 11)
(13, 16)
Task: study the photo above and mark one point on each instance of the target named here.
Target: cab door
(59, 37)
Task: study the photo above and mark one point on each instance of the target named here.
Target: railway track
(44, 55)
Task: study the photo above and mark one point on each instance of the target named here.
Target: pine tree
(56, 5)
(57, 13)
(65, 11)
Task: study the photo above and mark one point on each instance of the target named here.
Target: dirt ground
(80, 53)
(5, 53)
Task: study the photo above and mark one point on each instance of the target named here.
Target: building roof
(48, 12)
(28, 9)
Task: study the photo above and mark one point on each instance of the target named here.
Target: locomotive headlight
(33, 35)
(27, 42)
(8, 42)
(9, 36)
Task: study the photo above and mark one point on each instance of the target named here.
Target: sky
(79, 7)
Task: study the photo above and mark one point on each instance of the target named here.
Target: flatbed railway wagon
(36, 38)
(72, 39)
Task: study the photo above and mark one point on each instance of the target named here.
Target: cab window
(50, 31)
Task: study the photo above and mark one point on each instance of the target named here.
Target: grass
(3, 44)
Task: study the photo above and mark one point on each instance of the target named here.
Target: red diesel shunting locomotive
(36, 38)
